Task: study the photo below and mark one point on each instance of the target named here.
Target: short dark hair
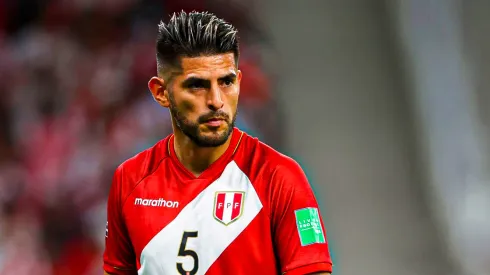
(194, 34)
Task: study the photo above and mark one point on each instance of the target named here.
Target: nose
(214, 100)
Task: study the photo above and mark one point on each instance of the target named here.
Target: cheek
(233, 101)
(184, 103)
(190, 109)
(187, 106)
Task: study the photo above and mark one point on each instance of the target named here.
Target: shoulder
(278, 179)
(132, 171)
(270, 160)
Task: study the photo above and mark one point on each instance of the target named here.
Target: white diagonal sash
(160, 256)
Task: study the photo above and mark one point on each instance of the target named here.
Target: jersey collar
(216, 167)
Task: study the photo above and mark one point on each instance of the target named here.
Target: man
(209, 199)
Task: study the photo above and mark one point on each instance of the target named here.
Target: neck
(195, 158)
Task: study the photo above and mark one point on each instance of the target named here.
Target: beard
(191, 129)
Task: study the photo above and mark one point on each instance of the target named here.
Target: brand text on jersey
(156, 202)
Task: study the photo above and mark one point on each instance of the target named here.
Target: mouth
(214, 122)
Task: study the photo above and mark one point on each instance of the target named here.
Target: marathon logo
(156, 203)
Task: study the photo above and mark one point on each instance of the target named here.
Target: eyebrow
(206, 82)
(193, 80)
(230, 76)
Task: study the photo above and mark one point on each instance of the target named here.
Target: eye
(227, 82)
(195, 86)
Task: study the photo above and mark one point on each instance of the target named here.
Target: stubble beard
(192, 131)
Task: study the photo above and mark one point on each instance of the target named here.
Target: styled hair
(191, 35)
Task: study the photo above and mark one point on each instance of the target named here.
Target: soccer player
(209, 199)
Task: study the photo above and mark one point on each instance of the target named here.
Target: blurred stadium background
(385, 103)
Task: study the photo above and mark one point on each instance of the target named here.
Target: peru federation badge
(228, 206)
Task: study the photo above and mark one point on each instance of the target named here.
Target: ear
(158, 89)
(239, 78)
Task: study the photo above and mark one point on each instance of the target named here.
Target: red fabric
(270, 237)
(114, 271)
(312, 268)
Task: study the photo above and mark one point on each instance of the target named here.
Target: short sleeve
(298, 230)
(119, 257)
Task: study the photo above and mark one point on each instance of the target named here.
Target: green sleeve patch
(309, 226)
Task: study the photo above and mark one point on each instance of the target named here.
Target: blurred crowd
(74, 105)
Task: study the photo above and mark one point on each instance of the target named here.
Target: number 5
(183, 252)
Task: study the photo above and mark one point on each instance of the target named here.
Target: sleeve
(119, 257)
(298, 230)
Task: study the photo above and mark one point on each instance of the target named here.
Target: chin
(214, 133)
(211, 141)
(214, 130)
(214, 137)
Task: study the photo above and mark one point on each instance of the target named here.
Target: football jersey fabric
(251, 212)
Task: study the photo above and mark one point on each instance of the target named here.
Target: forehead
(208, 67)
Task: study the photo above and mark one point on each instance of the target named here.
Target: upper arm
(119, 257)
(298, 230)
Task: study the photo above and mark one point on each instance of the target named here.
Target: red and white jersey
(251, 212)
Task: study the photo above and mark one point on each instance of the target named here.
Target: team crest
(228, 206)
